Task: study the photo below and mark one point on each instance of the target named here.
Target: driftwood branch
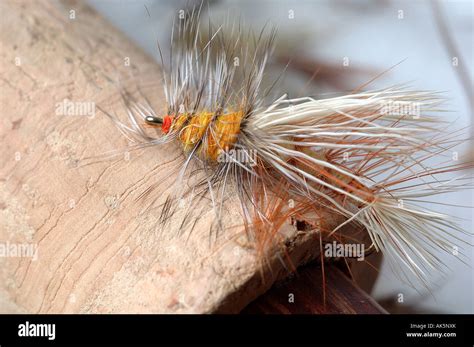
(98, 249)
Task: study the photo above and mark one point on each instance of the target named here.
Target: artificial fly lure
(361, 157)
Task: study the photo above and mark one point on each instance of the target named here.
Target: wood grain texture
(99, 249)
(303, 294)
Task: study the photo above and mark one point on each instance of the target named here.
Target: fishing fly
(363, 158)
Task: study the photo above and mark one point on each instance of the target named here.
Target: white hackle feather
(358, 156)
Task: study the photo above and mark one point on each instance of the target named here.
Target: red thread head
(165, 127)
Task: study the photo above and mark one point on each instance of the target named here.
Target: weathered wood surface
(98, 249)
(303, 293)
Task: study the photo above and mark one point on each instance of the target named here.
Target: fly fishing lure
(360, 157)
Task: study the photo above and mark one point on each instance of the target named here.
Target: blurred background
(334, 47)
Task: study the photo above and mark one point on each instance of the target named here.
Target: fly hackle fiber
(368, 158)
